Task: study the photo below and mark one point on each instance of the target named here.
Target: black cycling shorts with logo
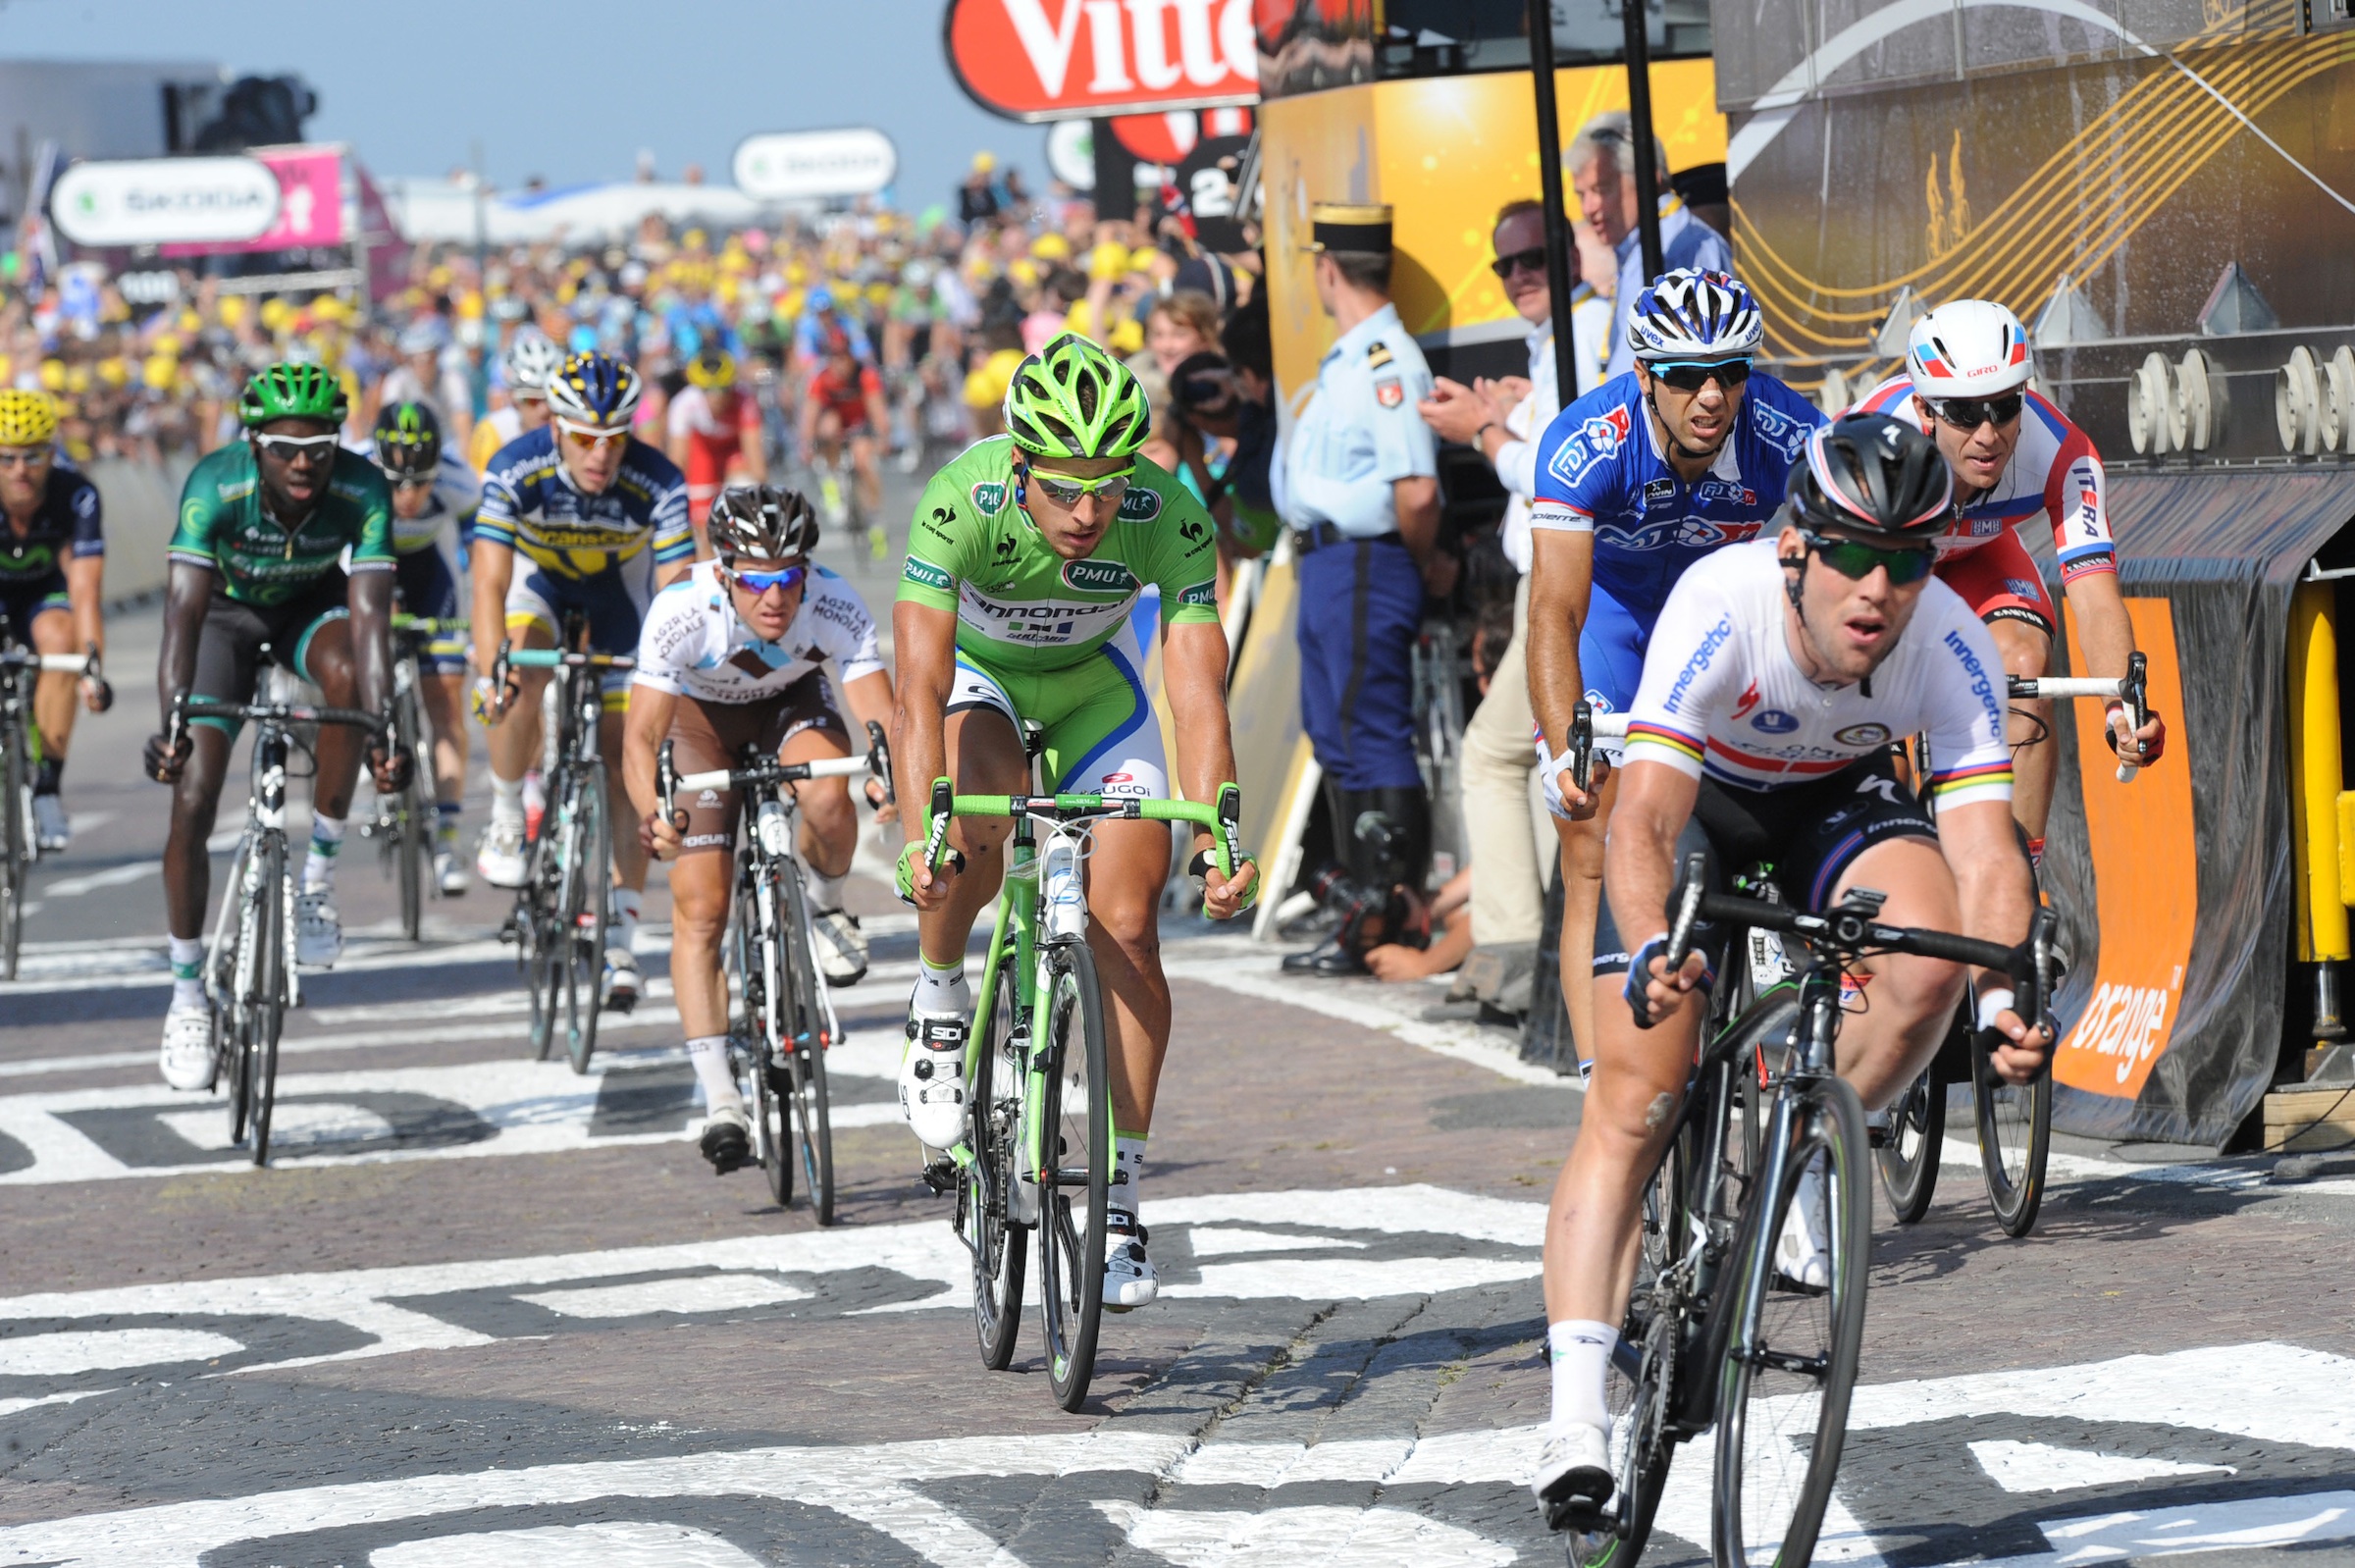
(1809, 833)
(229, 650)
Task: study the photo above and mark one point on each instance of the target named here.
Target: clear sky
(569, 91)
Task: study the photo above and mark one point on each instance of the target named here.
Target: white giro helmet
(1969, 349)
(532, 357)
(1688, 314)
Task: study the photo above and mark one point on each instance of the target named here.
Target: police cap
(1340, 225)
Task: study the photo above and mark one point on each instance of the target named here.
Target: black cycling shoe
(1327, 958)
(728, 1140)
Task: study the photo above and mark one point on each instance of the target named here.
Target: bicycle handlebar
(1224, 822)
(1586, 728)
(668, 780)
(561, 658)
(2132, 689)
(279, 712)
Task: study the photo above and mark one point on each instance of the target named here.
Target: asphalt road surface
(483, 1311)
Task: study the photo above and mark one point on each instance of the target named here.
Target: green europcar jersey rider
(224, 527)
(1050, 639)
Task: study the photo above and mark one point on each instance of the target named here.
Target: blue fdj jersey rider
(1028, 555)
(258, 570)
(1653, 470)
(1780, 671)
(597, 515)
(434, 499)
(52, 565)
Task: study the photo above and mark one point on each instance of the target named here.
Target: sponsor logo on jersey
(1694, 534)
(938, 521)
(1980, 687)
(1716, 637)
(1659, 491)
(924, 574)
(1099, 577)
(1863, 735)
(1141, 505)
(2021, 588)
(706, 799)
(989, 497)
(1774, 721)
(1748, 700)
(1986, 527)
(1775, 427)
(1724, 492)
(1199, 594)
(1606, 431)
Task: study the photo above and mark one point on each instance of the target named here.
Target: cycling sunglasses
(1531, 260)
(23, 456)
(286, 449)
(756, 583)
(1969, 413)
(1688, 376)
(1856, 562)
(1070, 490)
(590, 440)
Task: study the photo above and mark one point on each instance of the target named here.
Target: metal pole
(1639, 114)
(1550, 185)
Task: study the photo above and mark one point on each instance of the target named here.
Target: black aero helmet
(1873, 476)
(762, 523)
(408, 440)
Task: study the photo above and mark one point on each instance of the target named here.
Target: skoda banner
(154, 201)
(1073, 59)
(810, 164)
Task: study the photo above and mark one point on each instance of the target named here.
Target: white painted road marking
(71, 1351)
(621, 1543)
(699, 1292)
(2042, 1467)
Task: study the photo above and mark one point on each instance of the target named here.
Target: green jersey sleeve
(195, 536)
(1179, 552)
(939, 544)
(372, 498)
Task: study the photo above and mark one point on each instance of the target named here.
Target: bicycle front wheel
(589, 876)
(16, 846)
(413, 814)
(993, 1132)
(814, 1122)
(773, 1082)
(1790, 1361)
(267, 975)
(2015, 1135)
(1075, 1174)
(539, 942)
(1908, 1157)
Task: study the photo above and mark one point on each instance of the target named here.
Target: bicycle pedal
(1585, 1515)
(1877, 1137)
(941, 1177)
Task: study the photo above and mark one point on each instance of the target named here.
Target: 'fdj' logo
(1098, 577)
(989, 497)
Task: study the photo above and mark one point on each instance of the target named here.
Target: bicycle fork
(1819, 1005)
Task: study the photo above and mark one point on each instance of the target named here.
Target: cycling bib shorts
(706, 736)
(2000, 582)
(1101, 735)
(230, 650)
(615, 602)
(427, 588)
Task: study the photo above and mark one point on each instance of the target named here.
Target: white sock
(941, 992)
(1581, 1351)
(507, 801)
(187, 971)
(1128, 1172)
(825, 892)
(627, 902)
(709, 1053)
(327, 842)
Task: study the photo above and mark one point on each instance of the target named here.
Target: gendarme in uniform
(1361, 595)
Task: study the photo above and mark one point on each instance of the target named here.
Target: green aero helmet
(1072, 399)
(291, 391)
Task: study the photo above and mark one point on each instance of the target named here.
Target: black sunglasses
(1856, 562)
(1687, 377)
(1969, 413)
(1531, 260)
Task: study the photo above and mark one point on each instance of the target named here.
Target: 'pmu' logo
(1098, 577)
(1141, 505)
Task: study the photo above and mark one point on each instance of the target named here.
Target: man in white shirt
(1602, 174)
(1506, 835)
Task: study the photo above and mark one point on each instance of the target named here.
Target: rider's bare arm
(86, 577)
(1193, 662)
(1993, 888)
(369, 597)
(1638, 869)
(871, 699)
(2106, 634)
(925, 642)
(643, 727)
(492, 564)
(188, 590)
(1561, 582)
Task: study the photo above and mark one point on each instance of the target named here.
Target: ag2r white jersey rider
(694, 644)
(1722, 694)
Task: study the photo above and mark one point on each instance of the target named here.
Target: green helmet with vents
(1072, 399)
(291, 392)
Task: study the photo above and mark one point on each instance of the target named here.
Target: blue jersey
(1599, 469)
(530, 504)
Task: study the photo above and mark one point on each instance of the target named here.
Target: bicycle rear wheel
(1908, 1157)
(17, 846)
(814, 1122)
(1075, 1181)
(993, 1134)
(267, 976)
(539, 944)
(772, 1083)
(2015, 1135)
(413, 816)
(1791, 1362)
(589, 877)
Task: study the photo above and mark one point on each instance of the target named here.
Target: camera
(1381, 905)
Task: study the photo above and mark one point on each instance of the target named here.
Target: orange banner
(2146, 875)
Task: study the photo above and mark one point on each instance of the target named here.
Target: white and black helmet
(761, 524)
(531, 358)
(1968, 349)
(1688, 314)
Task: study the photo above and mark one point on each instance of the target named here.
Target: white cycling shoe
(932, 1079)
(500, 861)
(1574, 1473)
(318, 929)
(187, 1056)
(1130, 1282)
(841, 946)
(1803, 1256)
(619, 994)
(52, 829)
(450, 873)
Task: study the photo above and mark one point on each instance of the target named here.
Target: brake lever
(1582, 746)
(2137, 694)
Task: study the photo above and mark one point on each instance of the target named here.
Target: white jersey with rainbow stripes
(1724, 697)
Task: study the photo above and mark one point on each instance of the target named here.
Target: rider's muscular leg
(1124, 878)
(195, 799)
(516, 736)
(829, 822)
(1582, 901)
(1908, 1001)
(699, 916)
(629, 856)
(328, 661)
(984, 757)
(53, 696)
(445, 698)
(2027, 651)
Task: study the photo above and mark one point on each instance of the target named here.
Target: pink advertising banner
(310, 207)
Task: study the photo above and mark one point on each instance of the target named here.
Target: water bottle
(775, 828)
(1066, 896)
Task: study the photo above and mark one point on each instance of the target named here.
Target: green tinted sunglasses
(1856, 562)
